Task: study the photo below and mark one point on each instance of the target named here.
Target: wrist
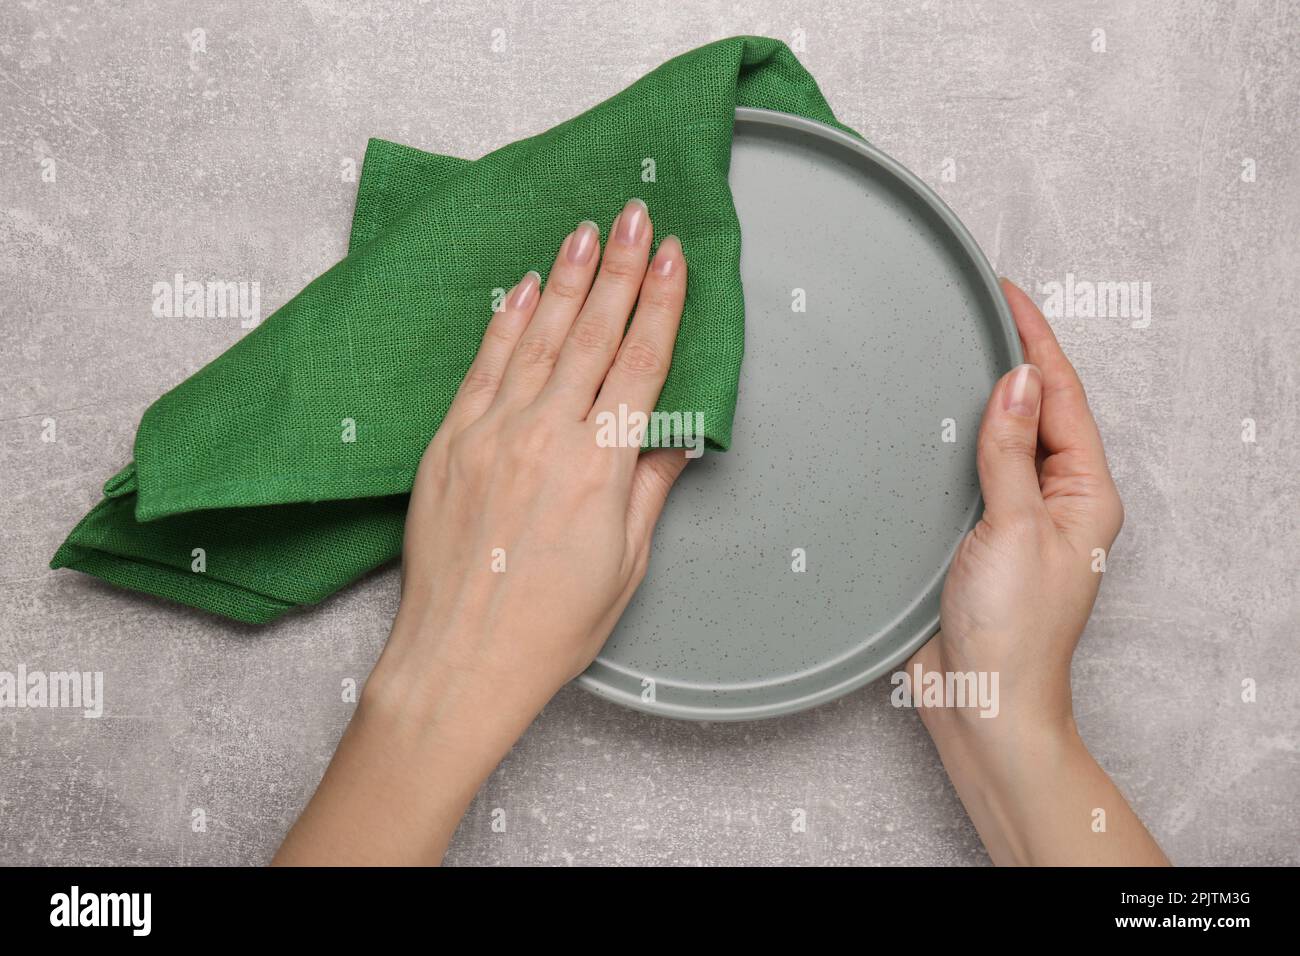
(433, 684)
(1004, 744)
(1022, 710)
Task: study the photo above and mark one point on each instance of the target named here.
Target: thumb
(656, 472)
(1008, 441)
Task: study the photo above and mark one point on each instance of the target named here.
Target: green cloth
(247, 460)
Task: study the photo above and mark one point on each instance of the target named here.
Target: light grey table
(1167, 159)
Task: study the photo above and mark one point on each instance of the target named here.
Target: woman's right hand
(1023, 582)
(1016, 600)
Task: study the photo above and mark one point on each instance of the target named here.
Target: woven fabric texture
(248, 458)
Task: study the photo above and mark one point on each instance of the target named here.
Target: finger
(566, 290)
(1008, 440)
(587, 352)
(656, 472)
(483, 379)
(1075, 478)
(637, 376)
(1066, 422)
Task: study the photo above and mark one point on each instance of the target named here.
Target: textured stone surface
(226, 164)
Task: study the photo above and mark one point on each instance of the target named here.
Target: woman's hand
(525, 539)
(1015, 603)
(1023, 583)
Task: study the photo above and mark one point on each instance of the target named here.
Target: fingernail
(669, 254)
(1024, 391)
(526, 291)
(631, 222)
(582, 242)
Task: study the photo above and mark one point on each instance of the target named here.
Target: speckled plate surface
(839, 444)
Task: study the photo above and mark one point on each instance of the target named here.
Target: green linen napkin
(279, 473)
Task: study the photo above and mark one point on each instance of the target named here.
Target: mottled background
(1125, 164)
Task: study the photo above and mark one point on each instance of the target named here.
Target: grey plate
(838, 445)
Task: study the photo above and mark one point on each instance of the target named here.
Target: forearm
(425, 737)
(1037, 796)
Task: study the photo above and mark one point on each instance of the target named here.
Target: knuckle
(497, 334)
(440, 446)
(623, 267)
(453, 447)
(533, 443)
(661, 472)
(1013, 444)
(591, 336)
(537, 352)
(659, 297)
(1068, 388)
(479, 380)
(468, 455)
(567, 288)
(638, 357)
